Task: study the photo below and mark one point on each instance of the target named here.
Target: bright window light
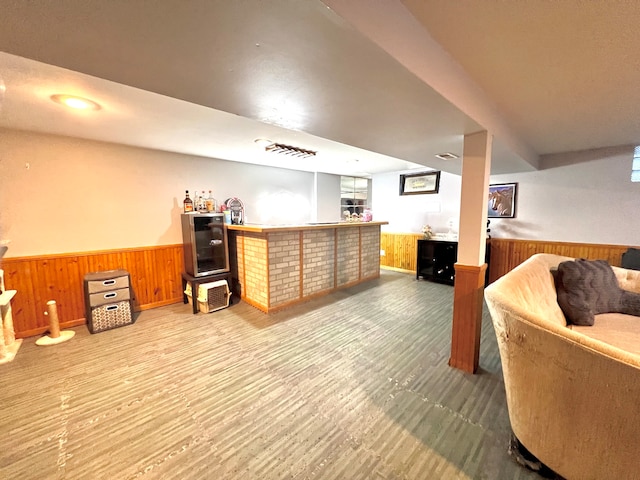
(635, 166)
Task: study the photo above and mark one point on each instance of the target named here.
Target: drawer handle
(111, 308)
(107, 283)
(110, 295)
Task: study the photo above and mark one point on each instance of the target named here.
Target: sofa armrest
(628, 279)
(572, 401)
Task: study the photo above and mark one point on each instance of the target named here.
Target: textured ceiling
(544, 77)
(565, 74)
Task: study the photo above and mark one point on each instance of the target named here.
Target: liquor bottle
(212, 203)
(188, 203)
(209, 202)
(196, 200)
(202, 203)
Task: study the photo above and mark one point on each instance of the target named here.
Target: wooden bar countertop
(259, 228)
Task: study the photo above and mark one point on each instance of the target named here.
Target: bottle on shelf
(195, 200)
(203, 202)
(188, 203)
(209, 202)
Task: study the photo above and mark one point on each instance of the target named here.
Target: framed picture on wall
(419, 183)
(502, 200)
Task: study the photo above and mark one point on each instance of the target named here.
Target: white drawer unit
(108, 298)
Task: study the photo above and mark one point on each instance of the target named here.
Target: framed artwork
(502, 200)
(419, 183)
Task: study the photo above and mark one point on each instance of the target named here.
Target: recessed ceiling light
(447, 156)
(75, 102)
(263, 142)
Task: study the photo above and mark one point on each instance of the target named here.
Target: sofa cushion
(616, 329)
(589, 287)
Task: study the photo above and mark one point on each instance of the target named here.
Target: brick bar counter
(277, 266)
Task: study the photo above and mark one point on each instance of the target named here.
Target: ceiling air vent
(447, 156)
(289, 150)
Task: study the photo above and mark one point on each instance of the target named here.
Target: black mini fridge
(206, 250)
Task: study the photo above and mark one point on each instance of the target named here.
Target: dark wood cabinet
(436, 259)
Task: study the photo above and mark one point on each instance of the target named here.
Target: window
(635, 166)
(354, 194)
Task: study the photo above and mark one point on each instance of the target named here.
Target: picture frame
(420, 183)
(502, 200)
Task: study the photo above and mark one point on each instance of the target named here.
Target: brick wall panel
(318, 261)
(370, 246)
(284, 267)
(348, 251)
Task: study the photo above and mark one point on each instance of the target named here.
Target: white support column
(476, 168)
(470, 268)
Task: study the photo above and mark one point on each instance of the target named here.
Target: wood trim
(91, 253)
(155, 279)
(294, 228)
(468, 294)
(156, 272)
(301, 253)
(157, 304)
(269, 307)
(40, 330)
(335, 257)
(506, 254)
(359, 253)
(256, 304)
(267, 268)
(394, 269)
(322, 293)
(243, 280)
(359, 281)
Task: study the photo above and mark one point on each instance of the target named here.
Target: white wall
(79, 195)
(408, 213)
(60, 195)
(578, 197)
(326, 205)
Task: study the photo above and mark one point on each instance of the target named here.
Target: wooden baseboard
(394, 269)
(306, 298)
(163, 303)
(42, 330)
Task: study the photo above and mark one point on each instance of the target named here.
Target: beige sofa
(573, 393)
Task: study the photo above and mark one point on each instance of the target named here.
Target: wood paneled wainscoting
(155, 278)
(506, 254)
(400, 250)
(156, 273)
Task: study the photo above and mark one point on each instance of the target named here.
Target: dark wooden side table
(196, 281)
(436, 259)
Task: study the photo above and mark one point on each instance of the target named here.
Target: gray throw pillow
(589, 287)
